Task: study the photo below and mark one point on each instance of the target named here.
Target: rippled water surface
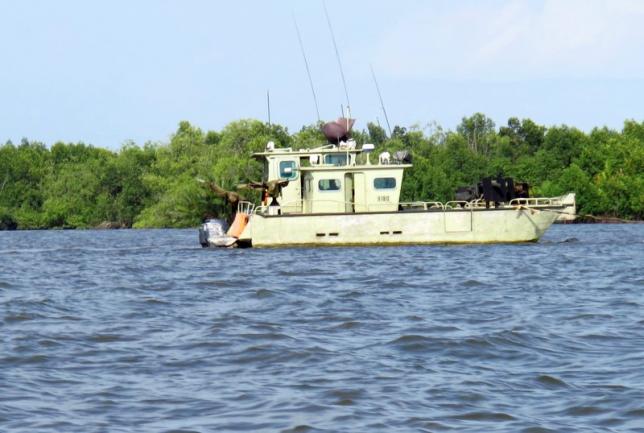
(145, 331)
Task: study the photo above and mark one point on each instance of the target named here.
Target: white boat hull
(501, 225)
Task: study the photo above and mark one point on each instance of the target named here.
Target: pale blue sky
(104, 73)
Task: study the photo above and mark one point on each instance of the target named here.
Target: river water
(145, 331)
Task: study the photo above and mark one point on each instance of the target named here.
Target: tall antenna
(382, 104)
(337, 56)
(308, 70)
(268, 106)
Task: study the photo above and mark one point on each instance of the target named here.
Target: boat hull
(457, 226)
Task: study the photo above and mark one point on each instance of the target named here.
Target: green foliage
(74, 185)
(178, 200)
(377, 134)
(524, 137)
(479, 132)
(308, 136)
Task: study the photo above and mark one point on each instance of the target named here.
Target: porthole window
(384, 183)
(287, 170)
(329, 184)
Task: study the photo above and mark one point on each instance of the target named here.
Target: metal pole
(382, 104)
(308, 70)
(337, 56)
(268, 106)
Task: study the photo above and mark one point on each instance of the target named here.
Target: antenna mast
(268, 106)
(308, 70)
(337, 56)
(382, 104)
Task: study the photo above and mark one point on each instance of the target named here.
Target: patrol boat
(335, 195)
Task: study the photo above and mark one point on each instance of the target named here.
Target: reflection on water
(145, 331)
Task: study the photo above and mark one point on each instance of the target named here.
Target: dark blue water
(144, 331)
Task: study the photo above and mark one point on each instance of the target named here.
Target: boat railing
(245, 207)
(263, 209)
(298, 205)
(422, 205)
(478, 203)
(458, 204)
(536, 201)
(340, 206)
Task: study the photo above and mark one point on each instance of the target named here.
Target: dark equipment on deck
(467, 193)
(499, 190)
(403, 157)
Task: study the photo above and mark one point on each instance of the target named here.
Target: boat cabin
(335, 178)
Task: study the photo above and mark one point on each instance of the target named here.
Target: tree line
(74, 185)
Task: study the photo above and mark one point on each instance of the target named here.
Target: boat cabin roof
(287, 151)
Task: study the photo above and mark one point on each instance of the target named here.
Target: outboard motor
(213, 233)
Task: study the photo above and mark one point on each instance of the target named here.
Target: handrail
(479, 202)
(245, 207)
(535, 201)
(457, 203)
(422, 205)
(261, 209)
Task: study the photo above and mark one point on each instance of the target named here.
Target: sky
(105, 73)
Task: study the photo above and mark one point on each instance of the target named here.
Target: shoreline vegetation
(74, 185)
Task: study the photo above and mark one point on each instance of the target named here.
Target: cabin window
(329, 184)
(337, 159)
(287, 170)
(384, 183)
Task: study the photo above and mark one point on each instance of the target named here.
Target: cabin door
(359, 193)
(349, 193)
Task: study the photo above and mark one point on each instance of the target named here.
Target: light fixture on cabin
(367, 148)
